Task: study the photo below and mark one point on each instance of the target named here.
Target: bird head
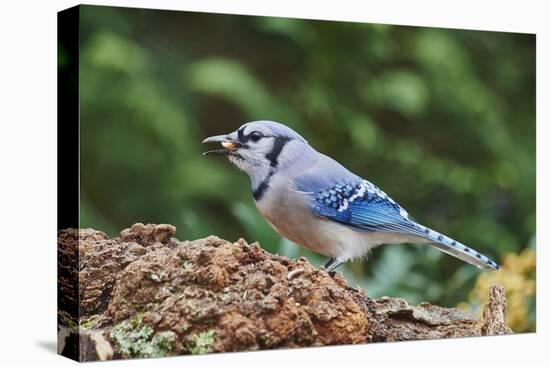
(259, 147)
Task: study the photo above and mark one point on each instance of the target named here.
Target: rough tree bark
(146, 294)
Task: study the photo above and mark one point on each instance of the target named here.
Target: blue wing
(359, 204)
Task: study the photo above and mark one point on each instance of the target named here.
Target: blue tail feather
(457, 249)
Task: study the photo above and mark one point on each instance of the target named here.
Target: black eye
(255, 136)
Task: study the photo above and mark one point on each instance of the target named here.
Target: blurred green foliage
(442, 120)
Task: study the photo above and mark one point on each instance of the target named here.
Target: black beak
(229, 145)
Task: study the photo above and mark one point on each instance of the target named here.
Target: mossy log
(146, 294)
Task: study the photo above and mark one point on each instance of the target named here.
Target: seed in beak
(228, 145)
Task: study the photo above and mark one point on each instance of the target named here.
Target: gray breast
(287, 211)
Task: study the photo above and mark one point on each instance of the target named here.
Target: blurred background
(442, 120)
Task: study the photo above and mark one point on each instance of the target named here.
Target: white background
(28, 181)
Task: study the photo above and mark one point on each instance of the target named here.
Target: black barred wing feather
(361, 204)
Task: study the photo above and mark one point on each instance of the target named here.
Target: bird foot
(332, 264)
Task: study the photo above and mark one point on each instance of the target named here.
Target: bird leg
(332, 264)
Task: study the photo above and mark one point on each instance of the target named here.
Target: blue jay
(317, 203)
